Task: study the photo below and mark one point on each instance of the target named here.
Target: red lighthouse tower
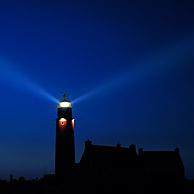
(65, 148)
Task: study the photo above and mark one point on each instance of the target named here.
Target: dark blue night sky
(127, 65)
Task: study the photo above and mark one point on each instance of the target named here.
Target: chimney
(118, 145)
(88, 143)
(11, 178)
(132, 147)
(140, 151)
(177, 150)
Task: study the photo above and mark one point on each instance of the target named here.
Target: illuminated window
(72, 123)
(62, 123)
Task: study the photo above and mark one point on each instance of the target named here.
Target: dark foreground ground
(50, 185)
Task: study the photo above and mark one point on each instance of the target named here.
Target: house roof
(109, 155)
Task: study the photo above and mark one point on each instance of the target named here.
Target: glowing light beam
(167, 58)
(9, 74)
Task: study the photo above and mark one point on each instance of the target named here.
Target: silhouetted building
(65, 148)
(116, 161)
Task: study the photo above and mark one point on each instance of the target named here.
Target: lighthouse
(65, 148)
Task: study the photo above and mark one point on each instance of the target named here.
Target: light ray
(167, 58)
(11, 75)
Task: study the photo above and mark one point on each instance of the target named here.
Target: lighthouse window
(63, 122)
